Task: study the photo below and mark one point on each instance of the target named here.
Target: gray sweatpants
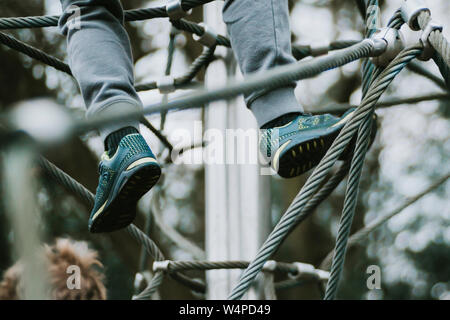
(101, 60)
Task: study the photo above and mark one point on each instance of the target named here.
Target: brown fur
(60, 256)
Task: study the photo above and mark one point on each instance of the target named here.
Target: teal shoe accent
(124, 179)
(299, 145)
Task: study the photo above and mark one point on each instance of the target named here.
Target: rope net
(318, 186)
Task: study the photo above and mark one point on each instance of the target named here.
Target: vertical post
(19, 197)
(237, 195)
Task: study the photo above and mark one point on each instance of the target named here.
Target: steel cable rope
(350, 201)
(364, 232)
(326, 189)
(372, 23)
(419, 69)
(175, 266)
(357, 163)
(342, 108)
(436, 38)
(440, 44)
(179, 83)
(348, 212)
(274, 78)
(319, 174)
(143, 259)
(182, 82)
(87, 197)
(129, 15)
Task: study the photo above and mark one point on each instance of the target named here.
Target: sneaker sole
(302, 157)
(121, 212)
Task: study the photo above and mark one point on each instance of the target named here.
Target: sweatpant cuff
(115, 107)
(275, 104)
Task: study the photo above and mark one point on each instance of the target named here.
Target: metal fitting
(395, 43)
(161, 266)
(270, 265)
(411, 9)
(175, 10)
(322, 275)
(208, 38)
(378, 46)
(319, 48)
(166, 84)
(303, 270)
(428, 49)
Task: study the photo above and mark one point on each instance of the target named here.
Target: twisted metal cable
(372, 23)
(436, 38)
(202, 61)
(130, 15)
(87, 197)
(272, 79)
(179, 83)
(183, 81)
(157, 133)
(197, 29)
(396, 20)
(153, 250)
(341, 108)
(322, 194)
(351, 197)
(419, 69)
(357, 163)
(35, 53)
(319, 174)
(444, 68)
(364, 232)
(302, 51)
(150, 246)
(174, 266)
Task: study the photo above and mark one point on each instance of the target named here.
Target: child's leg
(100, 57)
(101, 61)
(261, 39)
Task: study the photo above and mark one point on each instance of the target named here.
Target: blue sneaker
(299, 145)
(124, 179)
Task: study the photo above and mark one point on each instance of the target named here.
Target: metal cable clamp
(308, 271)
(161, 266)
(394, 45)
(270, 265)
(411, 9)
(208, 38)
(175, 10)
(166, 84)
(428, 49)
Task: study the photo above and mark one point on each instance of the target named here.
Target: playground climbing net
(376, 78)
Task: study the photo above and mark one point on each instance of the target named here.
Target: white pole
(237, 195)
